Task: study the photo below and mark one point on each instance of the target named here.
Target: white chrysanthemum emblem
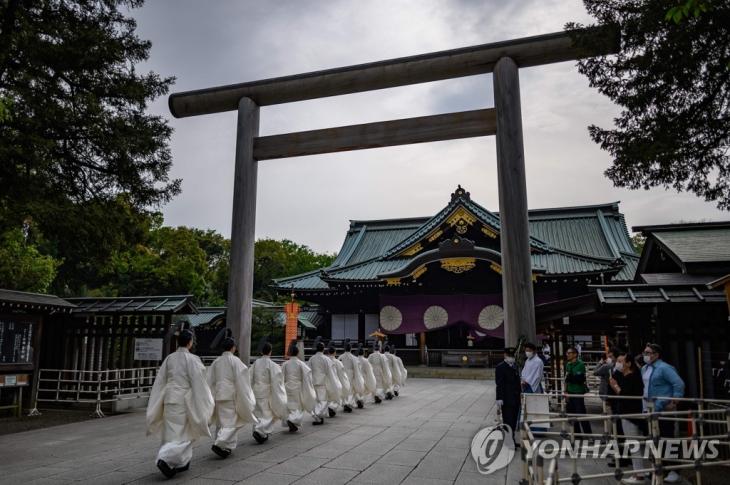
(435, 317)
(491, 317)
(390, 317)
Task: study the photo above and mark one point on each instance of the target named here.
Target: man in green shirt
(575, 388)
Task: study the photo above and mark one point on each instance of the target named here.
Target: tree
(671, 79)
(638, 241)
(276, 259)
(80, 156)
(22, 266)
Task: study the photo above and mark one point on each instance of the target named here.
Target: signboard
(148, 349)
(16, 340)
(14, 380)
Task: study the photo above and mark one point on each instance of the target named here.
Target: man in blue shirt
(661, 380)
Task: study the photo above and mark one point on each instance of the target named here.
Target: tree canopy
(671, 81)
(82, 160)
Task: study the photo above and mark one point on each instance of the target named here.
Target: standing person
(397, 370)
(575, 388)
(368, 375)
(180, 406)
(300, 395)
(383, 377)
(234, 400)
(345, 387)
(661, 380)
(507, 378)
(604, 371)
(324, 380)
(532, 370)
(268, 387)
(354, 374)
(626, 381)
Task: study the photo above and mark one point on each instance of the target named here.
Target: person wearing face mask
(626, 381)
(604, 371)
(661, 380)
(507, 378)
(532, 370)
(575, 388)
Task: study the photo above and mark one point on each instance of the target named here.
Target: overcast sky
(310, 200)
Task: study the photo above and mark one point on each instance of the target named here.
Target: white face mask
(529, 354)
(609, 361)
(619, 366)
(647, 359)
(509, 360)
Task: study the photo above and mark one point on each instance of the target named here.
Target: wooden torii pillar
(503, 59)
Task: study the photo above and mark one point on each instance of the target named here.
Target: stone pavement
(422, 437)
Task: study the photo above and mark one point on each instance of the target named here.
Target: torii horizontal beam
(435, 66)
(450, 126)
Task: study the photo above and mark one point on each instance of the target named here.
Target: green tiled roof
(699, 245)
(565, 241)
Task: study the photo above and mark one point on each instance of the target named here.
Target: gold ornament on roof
(458, 265)
(412, 250)
(461, 219)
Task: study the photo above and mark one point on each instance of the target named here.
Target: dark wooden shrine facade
(100, 333)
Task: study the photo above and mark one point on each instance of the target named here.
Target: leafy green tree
(22, 266)
(80, 156)
(276, 259)
(638, 241)
(672, 81)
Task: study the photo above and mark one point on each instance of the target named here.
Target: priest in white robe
(180, 406)
(397, 370)
(346, 388)
(368, 376)
(300, 395)
(325, 381)
(357, 382)
(383, 377)
(268, 388)
(234, 400)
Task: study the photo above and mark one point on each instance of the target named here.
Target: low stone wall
(480, 373)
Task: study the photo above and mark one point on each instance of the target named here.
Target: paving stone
(266, 478)
(382, 473)
(403, 457)
(239, 470)
(353, 461)
(298, 466)
(329, 476)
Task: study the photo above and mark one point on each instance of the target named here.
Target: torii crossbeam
(503, 59)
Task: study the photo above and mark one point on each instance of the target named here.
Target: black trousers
(510, 414)
(576, 404)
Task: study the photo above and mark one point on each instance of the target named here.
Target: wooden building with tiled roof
(436, 281)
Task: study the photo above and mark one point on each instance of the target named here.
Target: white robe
(234, 400)
(383, 377)
(368, 376)
(346, 387)
(354, 374)
(397, 370)
(325, 381)
(180, 407)
(300, 395)
(268, 388)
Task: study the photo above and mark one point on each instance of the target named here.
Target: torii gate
(503, 59)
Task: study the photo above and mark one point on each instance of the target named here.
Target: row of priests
(187, 399)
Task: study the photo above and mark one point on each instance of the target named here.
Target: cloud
(311, 199)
